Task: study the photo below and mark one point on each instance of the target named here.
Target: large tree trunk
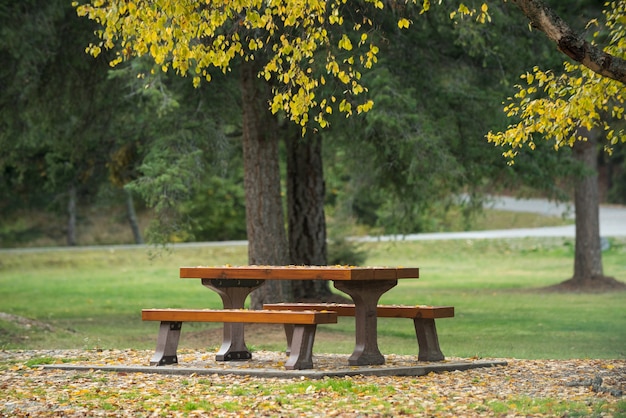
(71, 214)
(305, 209)
(265, 221)
(132, 217)
(588, 255)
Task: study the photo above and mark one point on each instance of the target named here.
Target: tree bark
(588, 253)
(265, 221)
(305, 209)
(71, 213)
(570, 43)
(132, 217)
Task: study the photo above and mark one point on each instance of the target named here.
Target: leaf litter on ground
(580, 387)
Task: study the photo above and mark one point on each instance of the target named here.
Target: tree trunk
(132, 217)
(71, 213)
(265, 222)
(588, 274)
(588, 255)
(305, 209)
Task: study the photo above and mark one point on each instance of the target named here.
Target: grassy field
(93, 298)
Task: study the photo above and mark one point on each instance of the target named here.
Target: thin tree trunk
(305, 209)
(132, 217)
(71, 212)
(588, 253)
(265, 221)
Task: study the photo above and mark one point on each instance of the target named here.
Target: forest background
(85, 143)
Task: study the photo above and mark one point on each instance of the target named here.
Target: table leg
(233, 293)
(366, 295)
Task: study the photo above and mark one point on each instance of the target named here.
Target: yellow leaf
(277, 103)
(403, 23)
(115, 61)
(365, 107)
(345, 78)
(345, 43)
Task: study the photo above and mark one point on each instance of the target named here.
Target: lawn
(92, 298)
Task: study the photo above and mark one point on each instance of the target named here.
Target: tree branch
(571, 44)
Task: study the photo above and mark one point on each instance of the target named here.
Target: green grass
(546, 406)
(501, 311)
(93, 298)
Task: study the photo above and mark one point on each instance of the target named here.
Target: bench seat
(300, 347)
(423, 317)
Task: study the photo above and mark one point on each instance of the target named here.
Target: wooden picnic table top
(344, 273)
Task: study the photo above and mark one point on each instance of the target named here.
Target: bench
(300, 347)
(423, 317)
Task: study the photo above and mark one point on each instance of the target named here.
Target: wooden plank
(299, 272)
(431, 312)
(407, 273)
(239, 316)
(383, 311)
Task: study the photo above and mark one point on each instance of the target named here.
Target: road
(612, 222)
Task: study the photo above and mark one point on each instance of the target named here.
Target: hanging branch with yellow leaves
(554, 107)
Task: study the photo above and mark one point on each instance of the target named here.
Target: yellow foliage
(192, 37)
(554, 107)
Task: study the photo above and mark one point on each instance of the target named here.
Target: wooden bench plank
(300, 347)
(303, 317)
(382, 311)
(423, 320)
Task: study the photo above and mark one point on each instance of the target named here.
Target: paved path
(612, 222)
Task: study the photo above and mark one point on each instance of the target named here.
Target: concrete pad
(420, 369)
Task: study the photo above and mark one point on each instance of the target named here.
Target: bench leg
(427, 340)
(365, 295)
(233, 293)
(167, 344)
(289, 335)
(233, 344)
(301, 349)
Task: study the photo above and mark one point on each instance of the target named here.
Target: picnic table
(365, 285)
